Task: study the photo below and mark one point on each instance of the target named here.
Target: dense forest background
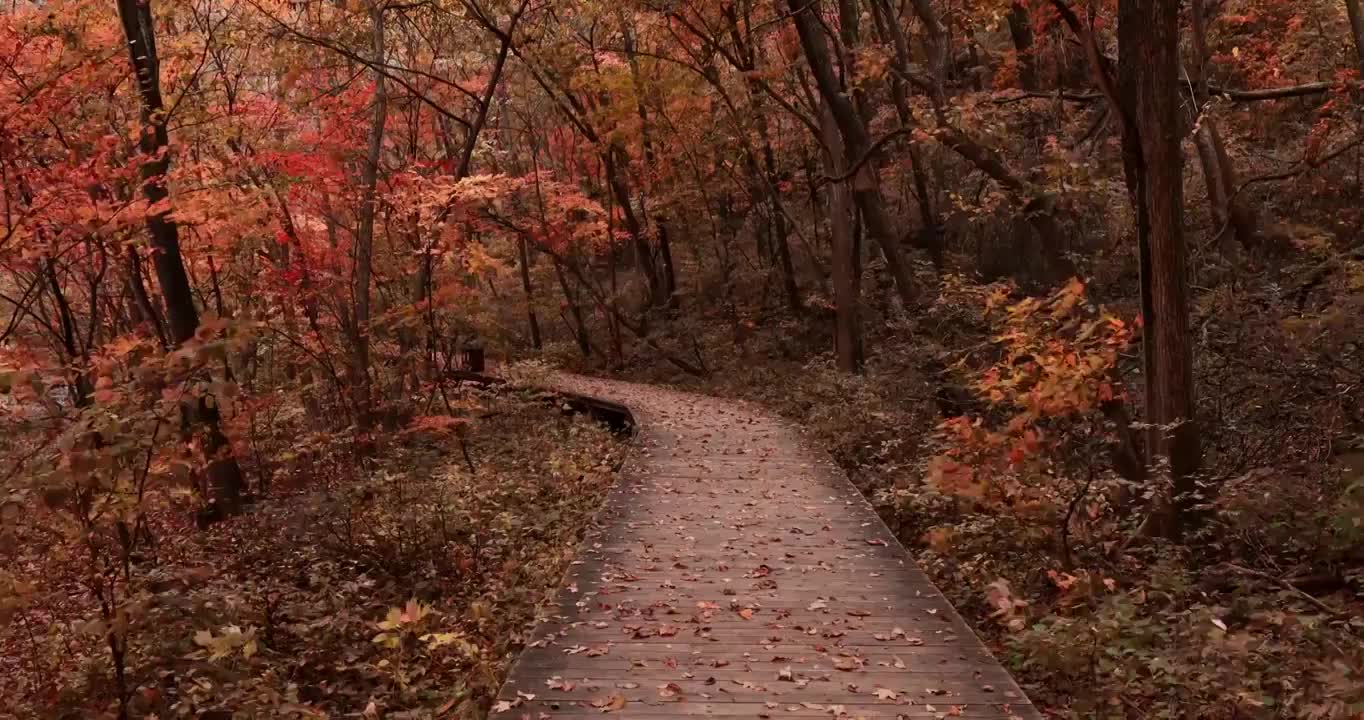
(1071, 290)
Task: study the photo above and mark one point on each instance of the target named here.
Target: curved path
(737, 573)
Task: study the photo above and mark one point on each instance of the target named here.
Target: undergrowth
(403, 585)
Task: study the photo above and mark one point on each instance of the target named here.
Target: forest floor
(1258, 615)
(400, 586)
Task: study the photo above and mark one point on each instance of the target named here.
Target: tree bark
(668, 279)
(224, 475)
(146, 311)
(1228, 208)
(1356, 13)
(523, 252)
(766, 184)
(363, 252)
(1148, 85)
(1020, 30)
(644, 254)
(856, 144)
(848, 346)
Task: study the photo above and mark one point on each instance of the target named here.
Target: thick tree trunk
(848, 346)
(1148, 85)
(363, 252)
(1020, 30)
(224, 475)
(1356, 13)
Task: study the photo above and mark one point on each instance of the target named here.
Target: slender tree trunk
(765, 178)
(1228, 209)
(147, 312)
(668, 279)
(363, 258)
(856, 144)
(575, 309)
(644, 255)
(1148, 85)
(523, 251)
(224, 475)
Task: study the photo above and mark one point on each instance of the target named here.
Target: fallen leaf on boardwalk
(558, 683)
(847, 664)
(746, 613)
(502, 706)
(786, 675)
(899, 663)
(885, 694)
(876, 541)
(599, 650)
(669, 690)
(609, 703)
(817, 605)
(859, 613)
(627, 685)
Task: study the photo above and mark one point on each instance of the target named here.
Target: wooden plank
(738, 574)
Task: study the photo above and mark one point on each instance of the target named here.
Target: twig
(1291, 91)
(1070, 512)
(1286, 585)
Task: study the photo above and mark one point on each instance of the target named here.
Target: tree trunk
(644, 255)
(363, 256)
(224, 475)
(766, 184)
(1228, 209)
(856, 144)
(1357, 29)
(1020, 29)
(895, 37)
(1148, 85)
(523, 252)
(575, 309)
(146, 311)
(848, 346)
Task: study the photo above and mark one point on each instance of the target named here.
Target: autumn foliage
(1115, 402)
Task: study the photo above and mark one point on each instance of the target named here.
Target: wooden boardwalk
(736, 573)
